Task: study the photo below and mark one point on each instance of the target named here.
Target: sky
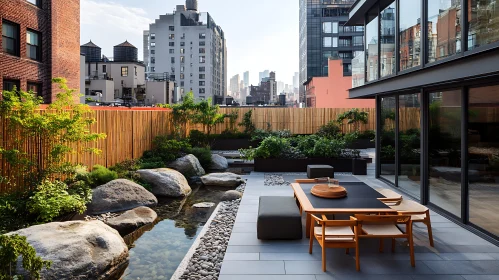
(261, 34)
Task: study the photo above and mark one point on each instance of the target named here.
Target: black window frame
(124, 73)
(12, 82)
(36, 84)
(38, 48)
(17, 46)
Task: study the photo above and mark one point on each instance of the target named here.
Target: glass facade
(387, 138)
(410, 33)
(372, 50)
(387, 41)
(483, 27)
(444, 29)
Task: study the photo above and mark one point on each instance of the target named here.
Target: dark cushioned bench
(278, 218)
(320, 171)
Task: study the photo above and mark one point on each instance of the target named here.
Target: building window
(202, 59)
(153, 44)
(410, 33)
(372, 48)
(124, 71)
(171, 28)
(483, 18)
(9, 85)
(202, 69)
(171, 36)
(182, 76)
(446, 18)
(202, 91)
(172, 51)
(358, 41)
(152, 36)
(202, 36)
(326, 27)
(202, 43)
(182, 44)
(335, 27)
(153, 60)
(104, 68)
(182, 51)
(387, 41)
(33, 43)
(202, 76)
(387, 143)
(172, 60)
(327, 42)
(135, 70)
(171, 44)
(37, 3)
(202, 50)
(202, 83)
(35, 88)
(10, 37)
(153, 51)
(181, 69)
(182, 59)
(182, 83)
(153, 69)
(335, 42)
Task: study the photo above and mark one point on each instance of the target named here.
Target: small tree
(232, 120)
(247, 123)
(207, 115)
(36, 142)
(182, 114)
(354, 117)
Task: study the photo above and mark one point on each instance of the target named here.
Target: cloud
(114, 16)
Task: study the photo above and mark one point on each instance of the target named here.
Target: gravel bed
(206, 261)
(275, 180)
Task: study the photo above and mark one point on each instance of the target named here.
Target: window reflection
(387, 131)
(410, 33)
(483, 23)
(444, 144)
(372, 50)
(444, 29)
(483, 153)
(387, 41)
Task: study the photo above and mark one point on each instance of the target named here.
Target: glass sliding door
(444, 150)
(483, 157)
(387, 143)
(410, 143)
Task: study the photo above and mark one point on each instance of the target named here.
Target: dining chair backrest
(382, 219)
(410, 206)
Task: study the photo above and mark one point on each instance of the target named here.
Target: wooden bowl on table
(326, 191)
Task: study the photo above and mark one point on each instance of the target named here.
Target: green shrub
(329, 130)
(125, 169)
(328, 148)
(13, 215)
(271, 147)
(152, 165)
(226, 134)
(198, 138)
(100, 175)
(168, 149)
(52, 199)
(306, 144)
(11, 248)
(350, 138)
(368, 134)
(260, 135)
(203, 155)
(247, 123)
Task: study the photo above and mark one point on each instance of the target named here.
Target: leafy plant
(234, 114)
(166, 150)
(260, 135)
(182, 114)
(247, 123)
(52, 199)
(198, 138)
(127, 168)
(271, 147)
(55, 130)
(368, 134)
(11, 248)
(100, 175)
(89, 100)
(203, 155)
(329, 130)
(354, 117)
(328, 148)
(207, 115)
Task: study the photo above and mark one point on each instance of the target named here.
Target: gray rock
(166, 182)
(222, 179)
(119, 195)
(188, 165)
(219, 163)
(231, 195)
(204, 205)
(77, 249)
(132, 220)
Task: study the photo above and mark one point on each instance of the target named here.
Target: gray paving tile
(252, 267)
(494, 255)
(290, 257)
(467, 257)
(250, 238)
(244, 227)
(246, 217)
(242, 257)
(401, 256)
(248, 209)
(464, 267)
(481, 277)
(437, 277)
(273, 248)
(267, 277)
(362, 276)
(379, 266)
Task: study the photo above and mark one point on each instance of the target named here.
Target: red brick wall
(58, 21)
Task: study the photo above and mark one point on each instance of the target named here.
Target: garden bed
(300, 165)
(362, 144)
(232, 144)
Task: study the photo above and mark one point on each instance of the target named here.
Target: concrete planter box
(300, 165)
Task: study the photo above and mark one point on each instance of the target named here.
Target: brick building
(40, 40)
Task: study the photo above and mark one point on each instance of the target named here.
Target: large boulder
(222, 179)
(188, 165)
(77, 249)
(231, 195)
(132, 220)
(219, 163)
(166, 182)
(119, 195)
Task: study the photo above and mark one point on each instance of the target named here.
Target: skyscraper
(296, 79)
(246, 79)
(191, 48)
(234, 84)
(323, 36)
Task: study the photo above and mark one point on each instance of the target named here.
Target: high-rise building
(191, 48)
(234, 84)
(40, 40)
(324, 36)
(296, 79)
(263, 75)
(246, 79)
(280, 87)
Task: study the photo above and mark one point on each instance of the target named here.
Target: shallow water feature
(157, 253)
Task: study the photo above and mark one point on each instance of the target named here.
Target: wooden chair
(334, 234)
(419, 214)
(385, 226)
(391, 197)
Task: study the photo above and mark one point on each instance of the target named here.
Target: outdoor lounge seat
(278, 218)
(320, 171)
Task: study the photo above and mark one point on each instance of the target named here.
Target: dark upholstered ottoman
(320, 171)
(278, 218)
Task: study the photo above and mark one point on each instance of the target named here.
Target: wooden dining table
(360, 199)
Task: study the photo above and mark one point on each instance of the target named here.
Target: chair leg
(393, 245)
(357, 256)
(308, 225)
(311, 244)
(430, 233)
(381, 245)
(347, 251)
(411, 246)
(324, 259)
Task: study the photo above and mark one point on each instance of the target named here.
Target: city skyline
(127, 19)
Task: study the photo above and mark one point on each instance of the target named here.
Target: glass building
(437, 99)
(323, 36)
